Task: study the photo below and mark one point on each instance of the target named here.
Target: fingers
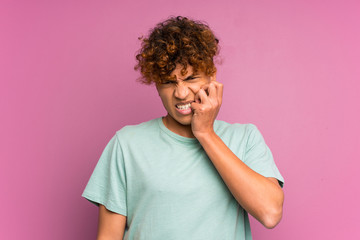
(195, 106)
(219, 90)
(202, 96)
(201, 102)
(210, 100)
(214, 89)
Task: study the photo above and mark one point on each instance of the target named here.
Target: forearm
(258, 195)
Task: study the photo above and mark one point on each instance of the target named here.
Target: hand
(206, 108)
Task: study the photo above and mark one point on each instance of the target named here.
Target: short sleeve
(107, 184)
(259, 157)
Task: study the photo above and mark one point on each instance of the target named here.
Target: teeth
(185, 106)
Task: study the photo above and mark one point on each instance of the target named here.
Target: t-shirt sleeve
(259, 157)
(107, 184)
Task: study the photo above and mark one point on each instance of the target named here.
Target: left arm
(260, 196)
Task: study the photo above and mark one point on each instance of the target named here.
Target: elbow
(272, 216)
(272, 219)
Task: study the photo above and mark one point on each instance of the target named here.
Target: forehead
(180, 73)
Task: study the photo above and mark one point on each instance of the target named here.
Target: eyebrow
(187, 78)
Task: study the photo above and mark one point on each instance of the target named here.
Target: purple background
(67, 84)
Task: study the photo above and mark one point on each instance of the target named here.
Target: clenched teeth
(185, 106)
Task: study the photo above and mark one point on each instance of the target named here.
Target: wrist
(203, 136)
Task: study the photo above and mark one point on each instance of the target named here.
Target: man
(186, 175)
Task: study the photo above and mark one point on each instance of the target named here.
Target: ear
(213, 77)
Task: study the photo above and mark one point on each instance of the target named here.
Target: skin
(111, 225)
(260, 196)
(183, 89)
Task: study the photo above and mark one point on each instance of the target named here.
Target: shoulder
(225, 128)
(131, 132)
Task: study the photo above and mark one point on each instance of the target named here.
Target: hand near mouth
(206, 108)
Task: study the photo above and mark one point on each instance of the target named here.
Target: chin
(185, 123)
(185, 120)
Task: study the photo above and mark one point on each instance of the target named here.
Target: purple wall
(67, 84)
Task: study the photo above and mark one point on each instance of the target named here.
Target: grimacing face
(177, 95)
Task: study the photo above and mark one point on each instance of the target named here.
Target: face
(176, 95)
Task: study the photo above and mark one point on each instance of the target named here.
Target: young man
(186, 175)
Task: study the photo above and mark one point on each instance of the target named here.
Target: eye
(191, 78)
(168, 82)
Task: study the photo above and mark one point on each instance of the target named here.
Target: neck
(178, 128)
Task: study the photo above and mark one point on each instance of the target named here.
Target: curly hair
(177, 40)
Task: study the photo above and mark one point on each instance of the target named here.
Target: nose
(181, 91)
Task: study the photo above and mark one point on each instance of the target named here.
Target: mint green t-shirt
(168, 187)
